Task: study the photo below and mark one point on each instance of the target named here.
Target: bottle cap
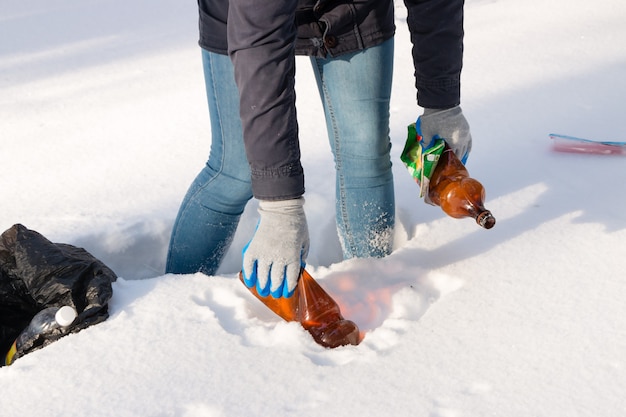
(65, 316)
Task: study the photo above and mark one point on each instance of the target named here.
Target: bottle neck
(485, 219)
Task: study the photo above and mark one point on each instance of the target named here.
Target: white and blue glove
(447, 124)
(278, 249)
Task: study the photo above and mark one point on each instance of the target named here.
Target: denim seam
(339, 175)
(224, 152)
(222, 156)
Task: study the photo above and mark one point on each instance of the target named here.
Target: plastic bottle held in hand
(318, 313)
(45, 321)
(456, 193)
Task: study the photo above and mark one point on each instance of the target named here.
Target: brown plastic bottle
(456, 193)
(318, 313)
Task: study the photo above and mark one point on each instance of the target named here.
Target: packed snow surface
(104, 123)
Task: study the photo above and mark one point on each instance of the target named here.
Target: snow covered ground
(103, 125)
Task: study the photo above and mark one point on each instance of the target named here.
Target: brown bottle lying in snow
(456, 193)
(318, 313)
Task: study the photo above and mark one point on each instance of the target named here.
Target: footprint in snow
(382, 298)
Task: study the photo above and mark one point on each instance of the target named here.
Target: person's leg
(208, 216)
(356, 91)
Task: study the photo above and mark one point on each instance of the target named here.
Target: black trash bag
(35, 274)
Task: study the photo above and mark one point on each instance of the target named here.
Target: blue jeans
(355, 91)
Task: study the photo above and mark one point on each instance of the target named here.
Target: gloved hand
(278, 249)
(447, 124)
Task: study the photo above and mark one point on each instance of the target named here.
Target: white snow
(104, 123)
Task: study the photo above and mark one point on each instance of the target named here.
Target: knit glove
(273, 257)
(447, 124)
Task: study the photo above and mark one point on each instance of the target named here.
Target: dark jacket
(263, 37)
(324, 27)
